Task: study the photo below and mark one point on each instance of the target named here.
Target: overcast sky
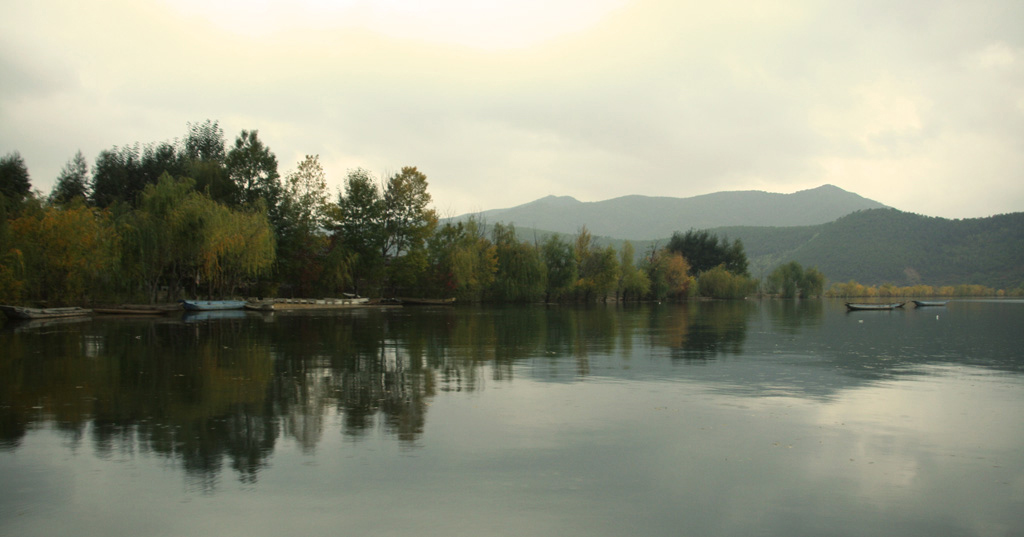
(916, 104)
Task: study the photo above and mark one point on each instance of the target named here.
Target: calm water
(741, 419)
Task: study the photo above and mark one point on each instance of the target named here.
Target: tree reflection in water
(219, 393)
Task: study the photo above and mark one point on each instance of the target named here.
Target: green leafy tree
(463, 259)
(598, 268)
(64, 251)
(359, 228)
(562, 270)
(633, 282)
(408, 221)
(705, 251)
(160, 247)
(520, 274)
(302, 244)
(253, 168)
(117, 176)
(719, 282)
(15, 184)
(791, 280)
(72, 182)
(205, 157)
(668, 273)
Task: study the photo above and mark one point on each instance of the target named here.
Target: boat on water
(137, 309)
(18, 312)
(426, 301)
(852, 306)
(925, 303)
(259, 306)
(212, 305)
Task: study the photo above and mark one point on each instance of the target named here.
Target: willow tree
(521, 274)
(597, 268)
(463, 260)
(161, 240)
(791, 280)
(238, 247)
(561, 266)
(64, 251)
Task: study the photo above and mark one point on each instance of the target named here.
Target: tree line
(199, 217)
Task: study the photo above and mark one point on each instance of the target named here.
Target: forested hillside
(889, 246)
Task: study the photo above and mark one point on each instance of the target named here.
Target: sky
(917, 104)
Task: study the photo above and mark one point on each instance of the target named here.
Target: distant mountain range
(846, 236)
(645, 217)
(882, 246)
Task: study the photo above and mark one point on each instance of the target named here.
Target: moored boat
(137, 309)
(212, 305)
(869, 306)
(259, 305)
(924, 303)
(18, 312)
(427, 301)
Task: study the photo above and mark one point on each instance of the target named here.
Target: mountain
(644, 217)
(881, 246)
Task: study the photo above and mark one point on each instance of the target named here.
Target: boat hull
(212, 305)
(17, 312)
(870, 307)
(927, 303)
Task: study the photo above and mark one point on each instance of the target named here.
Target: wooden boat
(924, 303)
(317, 303)
(426, 301)
(18, 312)
(259, 306)
(864, 306)
(212, 305)
(134, 309)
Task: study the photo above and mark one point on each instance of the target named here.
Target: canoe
(212, 305)
(18, 312)
(863, 306)
(924, 303)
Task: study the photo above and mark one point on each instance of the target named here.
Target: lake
(710, 418)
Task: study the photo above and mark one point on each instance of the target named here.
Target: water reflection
(222, 392)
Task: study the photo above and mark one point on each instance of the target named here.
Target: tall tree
(73, 181)
(521, 275)
(408, 222)
(253, 168)
(205, 141)
(15, 184)
(205, 156)
(359, 227)
(302, 244)
(117, 175)
(633, 282)
(463, 259)
(562, 269)
(598, 268)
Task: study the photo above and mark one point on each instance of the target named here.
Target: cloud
(905, 103)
